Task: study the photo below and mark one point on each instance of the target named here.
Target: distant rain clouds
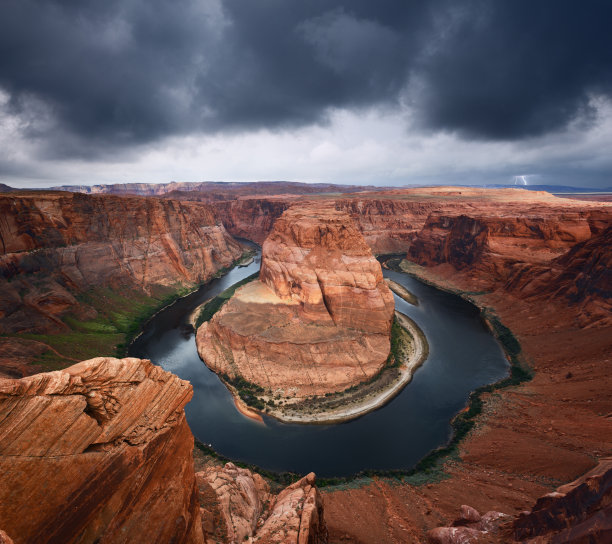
(152, 90)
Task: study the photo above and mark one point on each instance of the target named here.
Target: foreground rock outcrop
(580, 511)
(98, 452)
(317, 321)
(238, 506)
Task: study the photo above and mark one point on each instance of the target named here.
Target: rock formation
(317, 257)
(56, 246)
(319, 318)
(98, 452)
(471, 528)
(238, 506)
(580, 511)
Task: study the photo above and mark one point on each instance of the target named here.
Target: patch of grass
(397, 344)
(49, 361)
(214, 305)
(247, 391)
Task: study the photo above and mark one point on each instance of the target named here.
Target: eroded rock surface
(317, 321)
(580, 511)
(98, 452)
(318, 258)
(54, 246)
(241, 508)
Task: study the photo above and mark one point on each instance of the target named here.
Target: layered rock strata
(98, 452)
(54, 245)
(238, 506)
(391, 220)
(317, 321)
(60, 253)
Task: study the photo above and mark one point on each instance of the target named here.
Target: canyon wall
(57, 247)
(391, 221)
(251, 218)
(98, 452)
(387, 224)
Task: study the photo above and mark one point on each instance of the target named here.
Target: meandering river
(463, 356)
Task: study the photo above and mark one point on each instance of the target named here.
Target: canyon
(539, 264)
(318, 319)
(86, 263)
(101, 452)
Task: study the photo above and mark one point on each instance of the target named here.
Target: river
(463, 356)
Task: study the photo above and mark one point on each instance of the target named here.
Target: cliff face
(387, 224)
(251, 218)
(318, 320)
(491, 242)
(98, 452)
(582, 276)
(580, 511)
(318, 258)
(54, 246)
(545, 254)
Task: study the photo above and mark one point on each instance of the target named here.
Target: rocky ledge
(238, 506)
(98, 452)
(318, 319)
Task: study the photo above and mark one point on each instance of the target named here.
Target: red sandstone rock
(583, 276)
(247, 511)
(98, 452)
(580, 511)
(55, 245)
(319, 319)
(317, 257)
(240, 496)
(470, 527)
(467, 516)
(456, 535)
(296, 516)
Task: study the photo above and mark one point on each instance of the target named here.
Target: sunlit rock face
(317, 321)
(318, 258)
(238, 506)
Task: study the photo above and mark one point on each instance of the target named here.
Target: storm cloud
(85, 78)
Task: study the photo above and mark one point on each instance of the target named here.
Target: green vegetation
(396, 353)
(214, 305)
(247, 391)
(121, 313)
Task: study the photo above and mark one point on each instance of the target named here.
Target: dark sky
(388, 92)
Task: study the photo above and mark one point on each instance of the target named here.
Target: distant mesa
(318, 319)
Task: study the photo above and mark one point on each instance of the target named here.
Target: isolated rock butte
(98, 452)
(318, 258)
(319, 318)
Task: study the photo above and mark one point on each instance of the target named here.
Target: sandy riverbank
(402, 292)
